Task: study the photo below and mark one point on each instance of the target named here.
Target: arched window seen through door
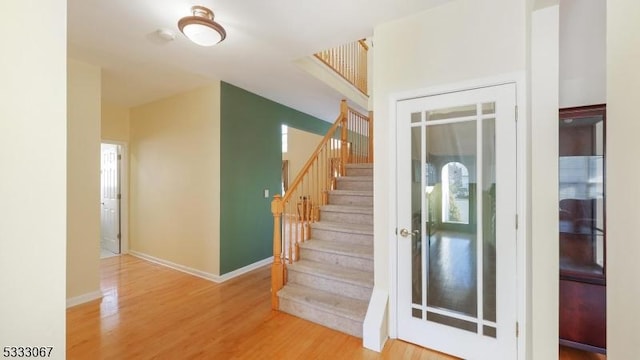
(455, 193)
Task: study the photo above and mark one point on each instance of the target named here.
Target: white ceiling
(263, 39)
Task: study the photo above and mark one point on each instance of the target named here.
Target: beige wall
(175, 179)
(301, 146)
(33, 127)
(623, 192)
(115, 123)
(83, 180)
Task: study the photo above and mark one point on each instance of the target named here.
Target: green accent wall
(251, 158)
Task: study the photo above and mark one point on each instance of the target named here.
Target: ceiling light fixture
(200, 27)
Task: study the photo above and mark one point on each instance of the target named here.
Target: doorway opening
(297, 146)
(110, 200)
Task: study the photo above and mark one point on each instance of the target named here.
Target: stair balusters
(349, 140)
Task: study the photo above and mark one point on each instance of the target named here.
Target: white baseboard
(374, 328)
(199, 273)
(246, 269)
(77, 300)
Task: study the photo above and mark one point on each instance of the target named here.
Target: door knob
(407, 233)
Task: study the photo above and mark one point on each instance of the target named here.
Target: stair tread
(333, 271)
(356, 178)
(366, 229)
(352, 209)
(352, 192)
(339, 247)
(360, 166)
(341, 305)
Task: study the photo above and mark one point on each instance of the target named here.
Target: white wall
(460, 40)
(33, 127)
(542, 187)
(582, 52)
(83, 182)
(623, 192)
(323, 73)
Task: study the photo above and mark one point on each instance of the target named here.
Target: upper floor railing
(350, 62)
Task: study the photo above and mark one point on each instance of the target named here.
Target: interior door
(110, 198)
(456, 222)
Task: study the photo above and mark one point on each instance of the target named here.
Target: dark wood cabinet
(582, 225)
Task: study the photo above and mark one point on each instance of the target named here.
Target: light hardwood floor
(149, 311)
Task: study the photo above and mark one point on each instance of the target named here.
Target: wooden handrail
(363, 43)
(348, 140)
(350, 62)
(314, 155)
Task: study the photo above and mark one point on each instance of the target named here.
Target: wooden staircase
(332, 281)
(323, 230)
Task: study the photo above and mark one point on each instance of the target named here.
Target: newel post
(344, 137)
(277, 268)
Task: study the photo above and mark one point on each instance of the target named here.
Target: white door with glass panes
(456, 219)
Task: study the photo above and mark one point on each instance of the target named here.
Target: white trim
(199, 273)
(519, 78)
(522, 204)
(509, 78)
(84, 298)
(124, 193)
(393, 219)
(540, 336)
(245, 269)
(374, 327)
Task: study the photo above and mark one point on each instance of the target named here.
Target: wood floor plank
(152, 312)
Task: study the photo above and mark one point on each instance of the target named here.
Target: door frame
(522, 243)
(124, 193)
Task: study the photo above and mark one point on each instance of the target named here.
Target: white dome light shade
(200, 28)
(202, 34)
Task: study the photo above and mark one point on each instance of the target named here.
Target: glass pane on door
(489, 224)
(453, 243)
(416, 209)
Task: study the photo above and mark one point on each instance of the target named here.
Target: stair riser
(330, 320)
(354, 185)
(346, 218)
(337, 259)
(356, 200)
(359, 171)
(329, 285)
(331, 235)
